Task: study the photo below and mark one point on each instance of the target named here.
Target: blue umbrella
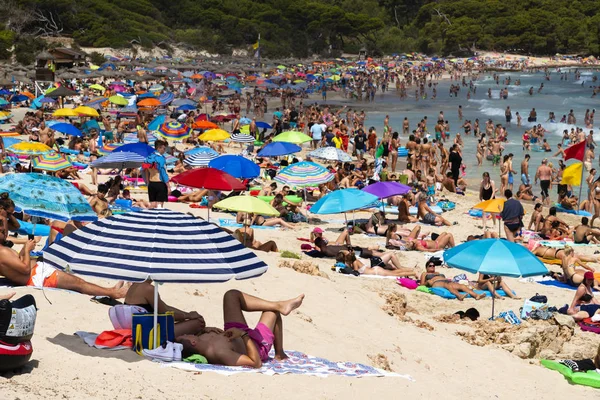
(202, 150)
(186, 107)
(236, 166)
(89, 125)
(181, 102)
(9, 141)
(245, 121)
(342, 201)
(496, 257)
(4, 92)
(157, 122)
(120, 160)
(139, 148)
(277, 149)
(46, 100)
(18, 98)
(67, 129)
(263, 125)
(47, 197)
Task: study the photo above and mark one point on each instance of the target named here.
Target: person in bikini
(585, 304)
(493, 283)
(404, 210)
(259, 220)
(570, 262)
(246, 236)
(19, 269)
(376, 268)
(432, 279)
(444, 241)
(237, 344)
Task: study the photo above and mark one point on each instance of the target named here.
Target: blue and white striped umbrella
(120, 160)
(242, 138)
(163, 245)
(200, 158)
(133, 138)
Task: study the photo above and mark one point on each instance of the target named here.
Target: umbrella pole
(155, 336)
(493, 297)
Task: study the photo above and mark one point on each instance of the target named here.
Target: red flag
(577, 151)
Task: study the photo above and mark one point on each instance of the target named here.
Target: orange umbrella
(197, 76)
(28, 94)
(204, 125)
(150, 102)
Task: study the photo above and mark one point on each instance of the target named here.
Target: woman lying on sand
(395, 237)
(343, 238)
(584, 304)
(349, 258)
(553, 253)
(259, 220)
(246, 236)
(444, 241)
(572, 276)
(432, 279)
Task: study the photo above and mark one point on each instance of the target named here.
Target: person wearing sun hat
(344, 237)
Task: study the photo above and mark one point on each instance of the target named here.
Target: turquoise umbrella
(343, 200)
(46, 196)
(495, 257)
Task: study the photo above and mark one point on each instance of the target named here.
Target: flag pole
(258, 49)
(580, 187)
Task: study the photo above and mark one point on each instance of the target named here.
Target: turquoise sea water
(557, 96)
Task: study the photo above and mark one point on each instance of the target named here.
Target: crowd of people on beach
(431, 166)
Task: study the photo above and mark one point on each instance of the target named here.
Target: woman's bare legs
(402, 272)
(344, 238)
(277, 221)
(463, 288)
(445, 239)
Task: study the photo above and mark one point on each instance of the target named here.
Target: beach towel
(297, 364)
(582, 213)
(90, 339)
(445, 293)
(588, 325)
(230, 223)
(558, 284)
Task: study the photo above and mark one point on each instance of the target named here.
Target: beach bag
(17, 319)
(529, 306)
(142, 330)
(539, 298)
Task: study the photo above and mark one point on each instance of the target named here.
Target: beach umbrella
(67, 129)
(263, 125)
(202, 149)
(277, 149)
(383, 190)
(46, 100)
(208, 178)
(200, 159)
(98, 87)
(304, 174)
(51, 162)
(118, 100)
(174, 131)
(186, 107)
(29, 148)
(292, 137)
(247, 204)
(342, 201)
(157, 122)
(120, 160)
(495, 257)
(46, 196)
(181, 102)
(162, 245)
(245, 121)
(330, 154)
(139, 148)
(133, 138)
(108, 148)
(492, 206)
(65, 112)
(149, 102)
(201, 124)
(236, 166)
(3, 102)
(242, 138)
(18, 98)
(214, 135)
(4, 115)
(9, 141)
(60, 92)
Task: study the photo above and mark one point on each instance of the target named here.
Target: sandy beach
(343, 318)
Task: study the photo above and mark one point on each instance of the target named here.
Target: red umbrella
(208, 178)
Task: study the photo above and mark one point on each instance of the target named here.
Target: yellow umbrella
(247, 204)
(491, 206)
(95, 86)
(29, 148)
(65, 112)
(87, 111)
(214, 135)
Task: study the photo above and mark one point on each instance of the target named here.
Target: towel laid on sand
(298, 364)
(230, 223)
(90, 339)
(558, 284)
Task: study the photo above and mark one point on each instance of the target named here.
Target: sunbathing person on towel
(584, 302)
(18, 268)
(377, 267)
(432, 279)
(239, 345)
(493, 283)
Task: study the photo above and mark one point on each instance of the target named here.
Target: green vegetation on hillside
(304, 27)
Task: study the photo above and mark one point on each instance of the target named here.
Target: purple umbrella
(383, 190)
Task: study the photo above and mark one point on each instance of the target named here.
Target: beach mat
(589, 378)
(230, 223)
(297, 364)
(558, 284)
(563, 243)
(581, 213)
(445, 293)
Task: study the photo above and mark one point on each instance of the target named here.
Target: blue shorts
(431, 191)
(511, 180)
(525, 180)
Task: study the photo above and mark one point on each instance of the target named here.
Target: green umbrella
(118, 100)
(292, 137)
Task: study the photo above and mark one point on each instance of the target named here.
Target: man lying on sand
(238, 345)
(18, 268)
